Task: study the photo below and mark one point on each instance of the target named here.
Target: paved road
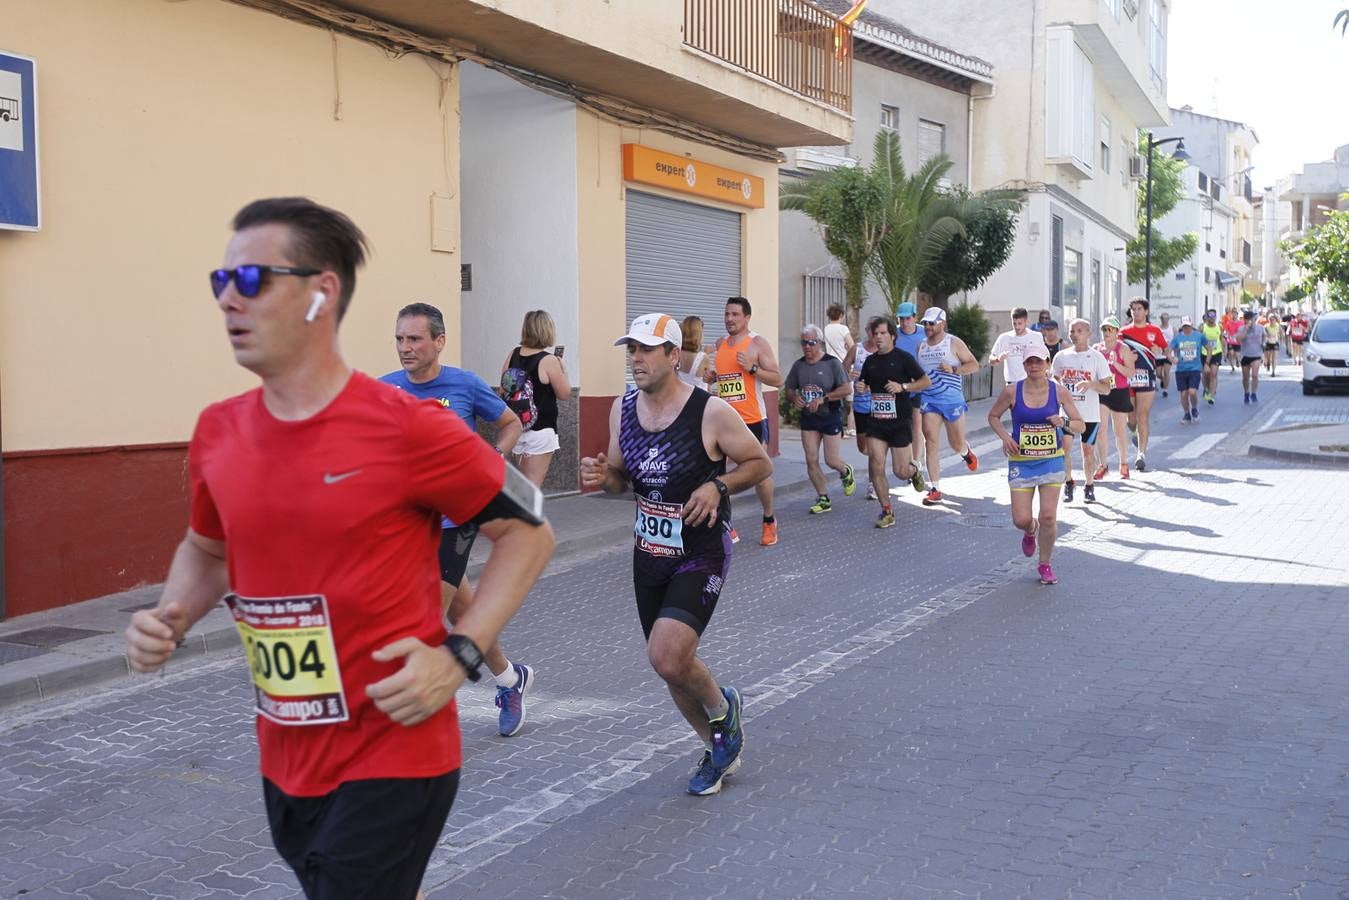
(924, 719)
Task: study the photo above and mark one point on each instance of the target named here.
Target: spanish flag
(841, 29)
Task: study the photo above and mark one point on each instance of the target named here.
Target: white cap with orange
(652, 330)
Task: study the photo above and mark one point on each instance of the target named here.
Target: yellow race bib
(288, 644)
(1039, 440)
(731, 387)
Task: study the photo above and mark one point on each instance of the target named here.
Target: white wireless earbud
(320, 298)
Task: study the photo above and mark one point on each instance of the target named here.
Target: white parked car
(1325, 358)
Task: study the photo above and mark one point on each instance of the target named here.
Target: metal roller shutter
(683, 259)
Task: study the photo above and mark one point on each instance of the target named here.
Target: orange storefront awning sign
(691, 176)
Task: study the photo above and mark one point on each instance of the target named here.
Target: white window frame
(1113, 7)
(1105, 145)
(1070, 101)
(1157, 37)
(892, 113)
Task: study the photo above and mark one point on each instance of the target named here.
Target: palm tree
(1342, 20)
(848, 205)
(920, 219)
(968, 260)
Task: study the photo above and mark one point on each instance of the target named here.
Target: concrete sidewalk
(1317, 445)
(48, 653)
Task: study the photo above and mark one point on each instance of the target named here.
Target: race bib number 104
(288, 643)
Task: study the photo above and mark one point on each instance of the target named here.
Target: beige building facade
(110, 342)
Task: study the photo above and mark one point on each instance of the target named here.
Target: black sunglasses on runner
(248, 280)
(809, 343)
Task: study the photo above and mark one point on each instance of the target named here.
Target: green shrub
(969, 323)
(788, 414)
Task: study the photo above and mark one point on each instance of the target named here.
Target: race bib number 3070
(288, 643)
(731, 387)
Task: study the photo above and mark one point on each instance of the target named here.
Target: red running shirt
(1148, 335)
(344, 506)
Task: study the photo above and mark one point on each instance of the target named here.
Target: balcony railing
(790, 42)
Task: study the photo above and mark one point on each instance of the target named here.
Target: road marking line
(1199, 446)
(1269, 423)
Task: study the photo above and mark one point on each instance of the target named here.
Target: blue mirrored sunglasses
(248, 280)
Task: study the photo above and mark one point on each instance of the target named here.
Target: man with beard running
(670, 443)
(743, 364)
(419, 336)
(1144, 382)
(891, 374)
(945, 358)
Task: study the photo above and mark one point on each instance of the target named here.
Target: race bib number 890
(292, 660)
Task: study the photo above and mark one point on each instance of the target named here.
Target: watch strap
(466, 653)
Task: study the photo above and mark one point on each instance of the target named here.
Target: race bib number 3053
(1039, 440)
(288, 643)
(659, 529)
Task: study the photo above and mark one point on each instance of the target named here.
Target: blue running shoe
(727, 733)
(511, 701)
(707, 779)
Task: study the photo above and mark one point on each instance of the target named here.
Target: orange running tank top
(736, 385)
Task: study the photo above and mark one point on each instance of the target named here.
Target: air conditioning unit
(1138, 167)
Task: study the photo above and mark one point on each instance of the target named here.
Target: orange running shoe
(971, 461)
(770, 534)
(1124, 471)
(1100, 472)
(933, 497)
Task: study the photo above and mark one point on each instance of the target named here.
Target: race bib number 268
(292, 660)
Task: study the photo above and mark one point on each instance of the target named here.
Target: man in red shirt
(1144, 382)
(316, 503)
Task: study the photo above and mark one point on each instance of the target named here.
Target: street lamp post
(1147, 239)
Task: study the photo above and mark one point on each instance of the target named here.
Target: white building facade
(1203, 281)
(1076, 81)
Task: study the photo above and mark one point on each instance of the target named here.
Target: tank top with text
(947, 387)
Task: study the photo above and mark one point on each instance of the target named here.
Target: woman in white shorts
(532, 380)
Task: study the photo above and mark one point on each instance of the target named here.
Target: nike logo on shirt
(329, 478)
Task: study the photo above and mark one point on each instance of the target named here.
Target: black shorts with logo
(687, 593)
(456, 544)
(895, 432)
(365, 839)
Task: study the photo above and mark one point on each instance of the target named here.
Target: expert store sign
(20, 195)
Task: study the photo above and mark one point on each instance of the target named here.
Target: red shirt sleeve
(452, 470)
(204, 517)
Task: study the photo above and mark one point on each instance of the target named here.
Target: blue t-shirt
(464, 393)
(909, 344)
(1189, 351)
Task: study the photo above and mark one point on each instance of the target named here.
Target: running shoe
(1211, 398)
(871, 492)
(770, 534)
(932, 498)
(1089, 494)
(822, 505)
(1254, 399)
(971, 461)
(735, 536)
(1101, 472)
(1165, 394)
(1245, 398)
(849, 481)
(1140, 464)
(1195, 417)
(1046, 574)
(1124, 471)
(1028, 544)
(728, 735)
(916, 479)
(1186, 419)
(707, 779)
(511, 701)
(1068, 490)
(886, 519)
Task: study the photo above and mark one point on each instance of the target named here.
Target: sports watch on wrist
(721, 487)
(754, 368)
(467, 654)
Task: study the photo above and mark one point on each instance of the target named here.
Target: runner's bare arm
(197, 579)
(995, 414)
(1076, 424)
(508, 432)
(1127, 360)
(554, 374)
(732, 437)
(767, 361)
(607, 471)
(968, 363)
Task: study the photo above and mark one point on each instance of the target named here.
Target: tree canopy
(1323, 256)
(989, 219)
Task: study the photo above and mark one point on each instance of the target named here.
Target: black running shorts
(1118, 401)
(365, 839)
(760, 431)
(1249, 360)
(895, 432)
(455, 546)
(688, 595)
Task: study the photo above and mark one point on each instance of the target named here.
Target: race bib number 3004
(288, 643)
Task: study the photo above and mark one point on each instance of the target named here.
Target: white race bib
(883, 406)
(659, 529)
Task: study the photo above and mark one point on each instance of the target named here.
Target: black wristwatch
(463, 649)
(754, 368)
(721, 487)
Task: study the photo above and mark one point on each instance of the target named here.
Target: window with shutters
(1056, 261)
(1070, 101)
(931, 140)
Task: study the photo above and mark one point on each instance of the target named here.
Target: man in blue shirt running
(1189, 348)
(420, 337)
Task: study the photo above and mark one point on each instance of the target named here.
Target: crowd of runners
(334, 514)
